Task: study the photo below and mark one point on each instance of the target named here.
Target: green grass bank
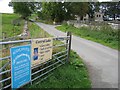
(73, 75)
(106, 35)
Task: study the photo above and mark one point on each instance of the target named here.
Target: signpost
(20, 65)
(41, 50)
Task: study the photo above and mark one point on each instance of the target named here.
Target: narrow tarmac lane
(101, 61)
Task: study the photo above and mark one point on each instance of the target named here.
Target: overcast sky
(4, 8)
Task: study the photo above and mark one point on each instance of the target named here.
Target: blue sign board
(20, 65)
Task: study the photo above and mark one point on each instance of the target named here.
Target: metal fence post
(67, 41)
(69, 46)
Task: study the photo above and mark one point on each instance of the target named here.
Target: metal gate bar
(58, 59)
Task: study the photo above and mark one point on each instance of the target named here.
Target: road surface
(101, 61)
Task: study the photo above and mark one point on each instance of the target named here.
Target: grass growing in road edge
(106, 36)
(36, 31)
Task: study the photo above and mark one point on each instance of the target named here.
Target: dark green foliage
(53, 10)
(25, 9)
(97, 6)
(111, 8)
(58, 11)
(80, 8)
(114, 8)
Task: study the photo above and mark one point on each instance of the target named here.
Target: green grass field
(8, 27)
(73, 75)
(106, 35)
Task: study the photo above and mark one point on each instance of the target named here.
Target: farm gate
(61, 53)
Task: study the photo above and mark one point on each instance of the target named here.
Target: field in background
(105, 35)
(8, 27)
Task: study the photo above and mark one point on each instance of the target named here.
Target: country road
(101, 61)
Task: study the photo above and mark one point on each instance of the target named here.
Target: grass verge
(73, 75)
(36, 31)
(106, 35)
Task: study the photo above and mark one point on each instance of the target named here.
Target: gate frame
(68, 39)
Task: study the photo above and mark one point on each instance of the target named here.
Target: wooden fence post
(69, 45)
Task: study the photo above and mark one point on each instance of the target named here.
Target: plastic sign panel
(41, 50)
(20, 65)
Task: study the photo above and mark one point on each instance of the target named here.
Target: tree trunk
(114, 16)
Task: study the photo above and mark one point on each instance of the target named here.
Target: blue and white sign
(20, 65)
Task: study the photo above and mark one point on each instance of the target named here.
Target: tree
(59, 11)
(113, 8)
(97, 6)
(80, 8)
(91, 10)
(54, 11)
(25, 9)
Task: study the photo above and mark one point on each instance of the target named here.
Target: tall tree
(91, 9)
(53, 10)
(97, 6)
(80, 8)
(113, 8)
(64, 11)
(25, 9)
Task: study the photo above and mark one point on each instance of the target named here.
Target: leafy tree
(97, 6)
(91, 10)
(113, 8)
(54, 11)
(63, 11)
(80, 8)
(69, 11)
(25, 9)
